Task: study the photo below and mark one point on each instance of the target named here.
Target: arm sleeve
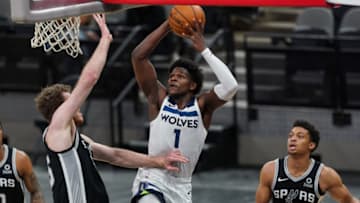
(228, 84)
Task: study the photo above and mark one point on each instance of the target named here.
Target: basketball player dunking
(73, 174)
(297, 178)
(178, 118)
(16, 173)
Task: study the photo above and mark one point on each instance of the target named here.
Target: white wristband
(228, 84)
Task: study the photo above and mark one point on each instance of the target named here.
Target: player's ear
(312, 146)
(193, 86)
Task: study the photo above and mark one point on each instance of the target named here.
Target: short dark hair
(313, 132)
(193, 69)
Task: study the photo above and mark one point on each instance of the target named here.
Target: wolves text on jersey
(180, 122)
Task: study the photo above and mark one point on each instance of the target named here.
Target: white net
(57, 35)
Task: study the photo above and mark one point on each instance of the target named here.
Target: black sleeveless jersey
(73, 174)
(11, 185)
(289, 189)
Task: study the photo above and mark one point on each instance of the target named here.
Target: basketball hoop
(57, 35)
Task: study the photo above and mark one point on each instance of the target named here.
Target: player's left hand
(196, 36)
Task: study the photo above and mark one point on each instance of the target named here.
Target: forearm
(88, 78)
(146, 47)
(30, 180)
(37, 197)
(131, 159)
(228, 84)
(97, 61)
(355, 200)
(123, 157)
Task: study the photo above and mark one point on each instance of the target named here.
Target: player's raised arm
(144, 70)
(228, 85)
(88, 78)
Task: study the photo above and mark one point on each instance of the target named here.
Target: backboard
(345, 2)
(257, 3)
(27, 11)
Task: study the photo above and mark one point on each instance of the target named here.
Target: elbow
(90, 78)
(234, 86)
(135, 54)
(232, 91)
(138, 54)
(226, 93)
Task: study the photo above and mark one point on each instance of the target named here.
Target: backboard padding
(29, 11)
(46, 4)
(345, 2)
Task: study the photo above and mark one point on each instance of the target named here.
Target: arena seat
(348, 38)
(310, 73)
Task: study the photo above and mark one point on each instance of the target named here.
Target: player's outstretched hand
(101, 21)
(173, 157)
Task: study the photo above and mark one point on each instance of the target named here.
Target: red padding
(275, 3)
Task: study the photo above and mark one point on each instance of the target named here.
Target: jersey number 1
(177, 138)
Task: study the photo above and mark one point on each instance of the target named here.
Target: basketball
(182, 17)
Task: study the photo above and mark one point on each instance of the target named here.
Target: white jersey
(174, 128)
(178, 128)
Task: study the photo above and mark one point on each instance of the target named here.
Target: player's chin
(291, 150)
(173, 93)
(172, 90)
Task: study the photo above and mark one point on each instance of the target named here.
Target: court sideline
(216, 186)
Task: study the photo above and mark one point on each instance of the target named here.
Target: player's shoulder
(328, 172)
(21, 156)
(269, 167)
(267, 172)
(329, 178)
(270, 164)
(23, 162)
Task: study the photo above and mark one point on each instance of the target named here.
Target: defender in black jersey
(73, 174)
(297, 178)
(16, 174)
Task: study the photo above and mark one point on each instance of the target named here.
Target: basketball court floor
(216, 186)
